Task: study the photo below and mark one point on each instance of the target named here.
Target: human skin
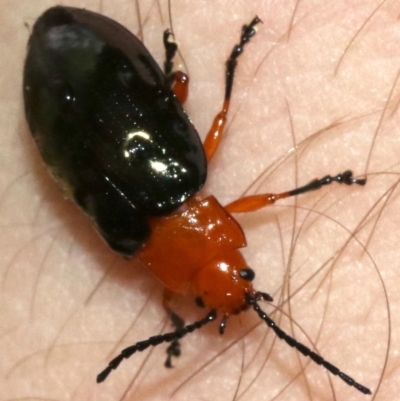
(68, 304)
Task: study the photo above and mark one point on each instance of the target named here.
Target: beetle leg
(174, 348)
(180, 85)
(179, 80)
(170, 50)
(214, 135)
(255, 202)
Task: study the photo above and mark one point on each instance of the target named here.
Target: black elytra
(108, 125)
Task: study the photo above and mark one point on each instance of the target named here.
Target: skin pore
(319, 76)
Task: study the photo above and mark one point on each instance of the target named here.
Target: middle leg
(214, 135)
(255, 202)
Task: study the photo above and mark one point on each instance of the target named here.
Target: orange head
(224, 283)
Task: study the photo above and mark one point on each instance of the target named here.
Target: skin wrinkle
(54, 339)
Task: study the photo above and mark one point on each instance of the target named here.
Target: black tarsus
(170, 50)
(154, 341)
(174, 349)
(252, 301)
(247, 32)
(343, 178)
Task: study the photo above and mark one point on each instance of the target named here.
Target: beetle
(110, 127)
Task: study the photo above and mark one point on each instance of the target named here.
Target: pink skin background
(315, 93)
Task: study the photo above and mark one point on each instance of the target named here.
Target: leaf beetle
(110, 127)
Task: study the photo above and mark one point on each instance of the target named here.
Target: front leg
(174, 348)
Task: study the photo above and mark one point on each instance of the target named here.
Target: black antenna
(252, 300)
(152, 342)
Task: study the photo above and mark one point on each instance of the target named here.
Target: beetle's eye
(247, 274)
